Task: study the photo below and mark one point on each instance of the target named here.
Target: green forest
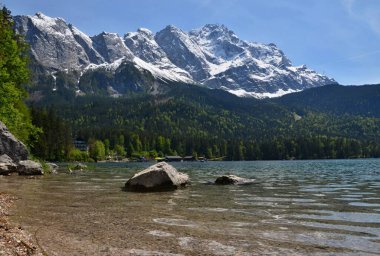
(186, 120)
(190, 120)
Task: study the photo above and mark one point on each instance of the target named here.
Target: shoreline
(14, 240)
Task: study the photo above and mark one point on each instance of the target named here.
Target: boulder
(29, 167)
(158, 177)
(11, 146)
(232, 180)
(7, 165)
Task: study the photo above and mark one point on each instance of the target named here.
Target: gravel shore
(13, 239)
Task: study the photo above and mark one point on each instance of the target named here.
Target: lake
(322, 207)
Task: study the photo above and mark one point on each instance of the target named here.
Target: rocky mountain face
(212, 56)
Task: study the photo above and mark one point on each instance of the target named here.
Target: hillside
(192, 119)
(336, 99)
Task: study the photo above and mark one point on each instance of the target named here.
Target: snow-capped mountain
(212, 56)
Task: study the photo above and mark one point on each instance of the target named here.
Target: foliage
(97, 150)
(14, 74)
(75, 155)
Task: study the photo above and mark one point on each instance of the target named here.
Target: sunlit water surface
(294, 208)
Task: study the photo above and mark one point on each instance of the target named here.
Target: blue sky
(339, 38)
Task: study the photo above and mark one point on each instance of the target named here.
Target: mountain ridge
(212, 56)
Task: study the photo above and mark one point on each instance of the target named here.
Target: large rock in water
(29, 167)
(232, 180)
(158, 177)
(7, 165)
(11, 146)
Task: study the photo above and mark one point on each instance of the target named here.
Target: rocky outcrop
(11, 146)
(158, 177)
(29, 167)
(232, 180)
(7, 165)
(13, 155)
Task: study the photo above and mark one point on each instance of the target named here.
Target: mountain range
(213, 56)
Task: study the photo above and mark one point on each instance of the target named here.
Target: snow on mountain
(218, 42)
(183, 52)
(111, 47)
(213, 56)
(105, 66)
(143, 46)
(237, 65)
(244, 93)
(54, 43)
(160, 73)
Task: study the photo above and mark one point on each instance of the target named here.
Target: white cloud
(366, 11)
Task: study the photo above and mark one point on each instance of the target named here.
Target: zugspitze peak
(212, 56)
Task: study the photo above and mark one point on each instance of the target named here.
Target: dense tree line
(56, 145)
(55, 141)
(214, 124)
(305, 147)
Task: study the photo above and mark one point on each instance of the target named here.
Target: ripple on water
(362, 204)
(329, 239)
(206, 246)
(328, 189)
(357, 217)
(353, 229)
(176, 222)
(352, 195)
(160, 233)
(139, 252)
(349, 199)
(207, 209)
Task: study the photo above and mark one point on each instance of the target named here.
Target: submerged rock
(232, 180)
(158, 177)
(7, 165)
(11, 146)
(52, 168)
(80, 167)
(29, 167)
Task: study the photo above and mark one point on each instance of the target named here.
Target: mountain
(336, 100)
(212, 56)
